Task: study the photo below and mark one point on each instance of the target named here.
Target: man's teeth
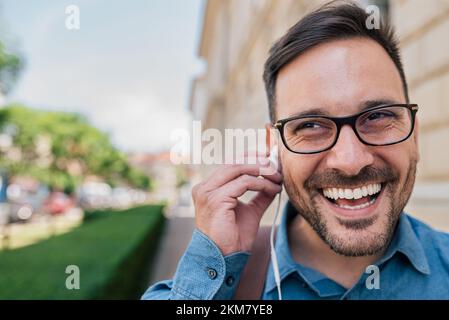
(357, 193)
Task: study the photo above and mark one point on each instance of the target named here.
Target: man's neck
(310, 250)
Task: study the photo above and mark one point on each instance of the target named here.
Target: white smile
(370, 191)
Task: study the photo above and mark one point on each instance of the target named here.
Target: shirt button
(212, 273)
(230, 281)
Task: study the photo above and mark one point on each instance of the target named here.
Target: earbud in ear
(274, 157)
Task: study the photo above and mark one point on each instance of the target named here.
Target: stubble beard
(369, 243)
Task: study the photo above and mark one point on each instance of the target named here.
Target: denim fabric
(202, 274)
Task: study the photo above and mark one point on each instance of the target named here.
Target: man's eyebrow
(368, 104)
(311, 112)
(375, 103)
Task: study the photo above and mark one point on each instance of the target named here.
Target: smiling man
(348, 150)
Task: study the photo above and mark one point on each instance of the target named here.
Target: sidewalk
(175, 238)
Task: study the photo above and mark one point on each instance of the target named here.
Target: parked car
(4, 206)
(25, 200)
(94, 195)
(58, 203)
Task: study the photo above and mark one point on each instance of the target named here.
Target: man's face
(339, 78)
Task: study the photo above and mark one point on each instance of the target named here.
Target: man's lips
(340, 195)
(353, 202)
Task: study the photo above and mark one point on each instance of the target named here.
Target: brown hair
(333, 21)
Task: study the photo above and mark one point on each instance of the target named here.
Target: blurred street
(175, 238)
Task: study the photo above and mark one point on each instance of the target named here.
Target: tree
(10, 67)
(60, 149)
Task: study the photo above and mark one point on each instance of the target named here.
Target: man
(338, 96)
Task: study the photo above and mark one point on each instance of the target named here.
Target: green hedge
(113, 252)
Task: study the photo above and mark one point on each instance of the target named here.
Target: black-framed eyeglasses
(379, 126)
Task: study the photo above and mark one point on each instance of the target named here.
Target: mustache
(334, 177)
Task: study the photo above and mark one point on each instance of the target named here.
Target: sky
(128, 68)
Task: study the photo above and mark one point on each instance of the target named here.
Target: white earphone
(274, 156)
(274, 159)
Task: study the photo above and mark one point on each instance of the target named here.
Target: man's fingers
(261, 201)
(244, 183)
(228, 173)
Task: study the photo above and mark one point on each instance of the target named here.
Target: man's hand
(230, 223)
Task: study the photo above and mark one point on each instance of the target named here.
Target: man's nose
(349, 155)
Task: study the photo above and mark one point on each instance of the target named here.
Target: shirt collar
(404, 240)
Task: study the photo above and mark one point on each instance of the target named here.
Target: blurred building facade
(170, 184)
(423, 28)
(162, 172)
(235, 40)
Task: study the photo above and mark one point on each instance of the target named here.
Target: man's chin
(357, 238)
(356, 231)
(356, 222)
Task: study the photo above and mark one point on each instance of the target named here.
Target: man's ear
(416, 137)
(270, 137)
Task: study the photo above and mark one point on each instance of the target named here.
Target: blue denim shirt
(415, 266)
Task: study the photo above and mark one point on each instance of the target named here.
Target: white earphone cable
(274, 260)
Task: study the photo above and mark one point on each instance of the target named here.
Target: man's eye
(308, 125)
(380, 115)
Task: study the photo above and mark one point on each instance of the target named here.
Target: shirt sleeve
(203, 273)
